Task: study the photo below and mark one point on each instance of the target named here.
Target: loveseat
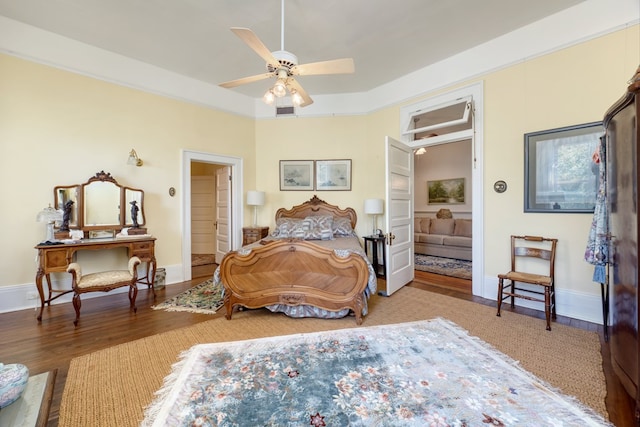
(450, 238)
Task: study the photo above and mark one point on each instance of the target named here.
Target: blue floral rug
(445, 266)
(426, 373)
(205, 298)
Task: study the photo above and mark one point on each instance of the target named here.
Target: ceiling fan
(284, 66)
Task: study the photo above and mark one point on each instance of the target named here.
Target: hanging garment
(597, 252)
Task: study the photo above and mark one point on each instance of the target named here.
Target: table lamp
(373, 207)
(255, 199)
(49, 216)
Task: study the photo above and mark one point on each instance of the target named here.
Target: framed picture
(333, 175)
(446, 191)
(296, 175)
(559, 174)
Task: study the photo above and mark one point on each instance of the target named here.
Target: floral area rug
(425, 373)
(445, 266)
(204, 298)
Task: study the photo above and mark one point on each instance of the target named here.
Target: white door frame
(235, 234)
(476, 92)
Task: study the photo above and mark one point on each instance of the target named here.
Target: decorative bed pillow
(342, 227)
(462, 228)
(321, 227)
(286, 226)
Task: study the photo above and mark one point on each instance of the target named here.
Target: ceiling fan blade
(245, 80)
(250, 38)
(336, 66)
(293, 85)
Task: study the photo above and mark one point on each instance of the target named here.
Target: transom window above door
(451, 117)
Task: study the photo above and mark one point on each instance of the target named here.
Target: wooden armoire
(623, 179)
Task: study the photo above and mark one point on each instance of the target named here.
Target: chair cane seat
(518, 276)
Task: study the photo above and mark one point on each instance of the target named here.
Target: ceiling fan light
(279, 89)
(296, 98)
(269, 98)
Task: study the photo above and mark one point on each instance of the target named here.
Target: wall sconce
(255, 199)
(373, 207)
(133, 159)
(49, 216)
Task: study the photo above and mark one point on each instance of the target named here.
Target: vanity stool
(104, 281)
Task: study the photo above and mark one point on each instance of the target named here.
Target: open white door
(399, 208)
(223, 212)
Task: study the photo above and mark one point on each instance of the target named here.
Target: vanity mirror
(62, 195)
(100, 204)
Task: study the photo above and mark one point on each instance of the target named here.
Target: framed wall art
(446, 191)
(559, 173)
(333, 175)
(296, 175)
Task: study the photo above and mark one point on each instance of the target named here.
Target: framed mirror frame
(123, 197)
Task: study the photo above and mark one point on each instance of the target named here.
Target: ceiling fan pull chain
(282, 26)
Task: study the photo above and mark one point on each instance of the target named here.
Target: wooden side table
(374, 242)
(253, 234)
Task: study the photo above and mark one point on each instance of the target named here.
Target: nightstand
(253, 234)
(375, 242)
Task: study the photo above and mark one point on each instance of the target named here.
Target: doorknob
(390, 238)
(215, 225)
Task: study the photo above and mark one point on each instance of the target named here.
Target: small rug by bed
(445, 266)
(204, 298)
(429, 372)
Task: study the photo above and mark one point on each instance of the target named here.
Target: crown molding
(585, 21)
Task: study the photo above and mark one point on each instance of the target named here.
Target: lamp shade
(373, 206)
(255, 198)
(49, 214)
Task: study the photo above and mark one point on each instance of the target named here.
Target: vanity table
(100, 209)
(56, 258)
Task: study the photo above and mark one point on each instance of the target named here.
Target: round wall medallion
(172, 191)
(500, 186)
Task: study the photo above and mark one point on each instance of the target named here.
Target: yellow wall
(572, 86)
(60, 128)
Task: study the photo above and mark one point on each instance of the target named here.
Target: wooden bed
(296, 272)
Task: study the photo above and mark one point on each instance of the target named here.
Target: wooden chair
(103, 281)
(544, 250)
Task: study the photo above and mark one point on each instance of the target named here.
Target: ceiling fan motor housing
(286, 59)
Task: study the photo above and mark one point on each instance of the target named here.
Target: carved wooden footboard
(294, 272)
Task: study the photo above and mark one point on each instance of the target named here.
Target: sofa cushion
(441, 226)
(457, 241)
(434, 239)
(425, 224)
(462, 227)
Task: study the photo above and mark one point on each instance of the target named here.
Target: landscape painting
(446, 191)
(296, 175)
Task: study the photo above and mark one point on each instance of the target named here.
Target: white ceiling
(386, 38)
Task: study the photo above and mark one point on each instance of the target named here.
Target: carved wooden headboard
(315, 206)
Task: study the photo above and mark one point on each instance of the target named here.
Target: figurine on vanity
(135, 228)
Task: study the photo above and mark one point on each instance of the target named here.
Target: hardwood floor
(107, 321)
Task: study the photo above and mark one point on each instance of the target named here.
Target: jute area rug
(113, 386)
